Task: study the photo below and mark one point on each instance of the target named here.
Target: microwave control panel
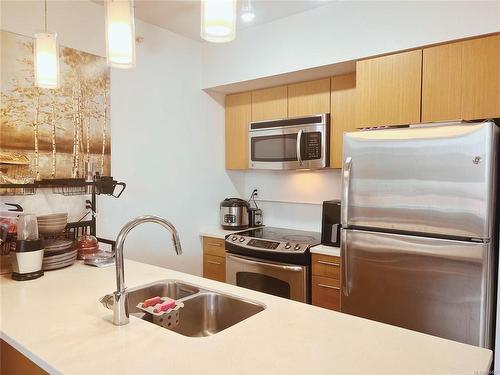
(311, 147)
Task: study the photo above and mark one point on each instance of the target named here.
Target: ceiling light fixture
(218, 20)
(46, 58)
(120, 33)
(247, 14)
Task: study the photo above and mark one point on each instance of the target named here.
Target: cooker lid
(234, 202)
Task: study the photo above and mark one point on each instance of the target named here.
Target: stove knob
(242, 239)
(297, 247)
(287, 246)
(234, 238)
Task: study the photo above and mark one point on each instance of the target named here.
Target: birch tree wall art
(48, 133)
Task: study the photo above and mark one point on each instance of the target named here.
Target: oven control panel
(267, 245)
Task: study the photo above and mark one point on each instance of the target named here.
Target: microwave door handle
(299, 139)
(346, 177)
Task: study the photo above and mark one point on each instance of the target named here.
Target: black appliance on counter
(330, 223)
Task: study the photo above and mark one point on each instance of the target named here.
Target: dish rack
(66, 187)
(13, 191)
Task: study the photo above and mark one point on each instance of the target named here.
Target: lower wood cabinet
(214, 259)
(326, 281)
(13, 362)
(326, 292)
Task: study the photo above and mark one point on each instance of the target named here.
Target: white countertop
(326, 250)
(58, 322)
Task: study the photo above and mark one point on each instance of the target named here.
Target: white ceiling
(183, 16)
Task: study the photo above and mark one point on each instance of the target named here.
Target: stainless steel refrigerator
(419, 228)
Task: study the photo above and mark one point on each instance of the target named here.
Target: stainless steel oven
(295, 143)
(280, 279)
(271, 260)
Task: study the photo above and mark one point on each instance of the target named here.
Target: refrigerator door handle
(346, 177)
(343, 260)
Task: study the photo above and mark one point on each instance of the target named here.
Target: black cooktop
(283, 235)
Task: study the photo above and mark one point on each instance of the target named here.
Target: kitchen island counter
(58, 323)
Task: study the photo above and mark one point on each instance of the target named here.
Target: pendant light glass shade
(46, 60)
(247, 14)
(120, 33)
(218, 20)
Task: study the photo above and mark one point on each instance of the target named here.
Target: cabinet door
(481, 78)
(442, 83)
(269, 104)
(343, 118)
(214, 267)
(326, 293)
(326, 266)
(238, 116)
(214, 246)
(13, 362)
(309, 98)
(388, 89)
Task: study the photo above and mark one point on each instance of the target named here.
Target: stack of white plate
(58, 254)
(57, 247)
(53, 223)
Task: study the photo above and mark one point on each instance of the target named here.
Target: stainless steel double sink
(205, 312)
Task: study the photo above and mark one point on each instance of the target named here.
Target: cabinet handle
(212, 262)
(214, 244)
(329, 286)
(328, 263)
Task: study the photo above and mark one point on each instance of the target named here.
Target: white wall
(290, 199)
(167, 134)
(343, 31)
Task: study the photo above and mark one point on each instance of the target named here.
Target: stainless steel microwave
(294, 143)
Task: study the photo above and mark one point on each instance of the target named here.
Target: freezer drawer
(435, 286)
(430, 180)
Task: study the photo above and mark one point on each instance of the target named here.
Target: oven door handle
(269, 265)
(299, 140)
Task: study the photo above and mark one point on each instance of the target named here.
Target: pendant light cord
(45, 16)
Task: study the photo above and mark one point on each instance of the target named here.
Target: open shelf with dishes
(61, 237)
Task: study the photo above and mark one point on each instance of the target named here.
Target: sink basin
(205, 312)
(208, 313)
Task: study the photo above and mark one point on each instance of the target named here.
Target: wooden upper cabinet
(388, 89)
(309, 98)
(343, 114)
(462, 80)
(442, 82)
(238, 116)
(269, 104)
(481, 78)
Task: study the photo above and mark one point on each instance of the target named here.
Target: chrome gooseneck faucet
(120, 309)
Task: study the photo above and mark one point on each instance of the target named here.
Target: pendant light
(247, 13)
(46, 58)
(120, 33)
(218, 20)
